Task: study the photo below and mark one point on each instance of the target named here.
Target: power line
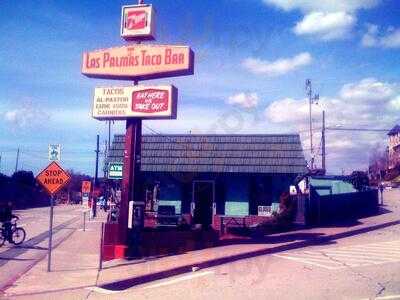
(357, 129)
(152, 130)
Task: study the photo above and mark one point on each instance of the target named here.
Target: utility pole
(96, 173)
(323, 142)
(16, 161)
(106, 149)
(109, 135)
(311, 99)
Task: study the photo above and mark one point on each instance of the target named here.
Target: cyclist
(6, 218)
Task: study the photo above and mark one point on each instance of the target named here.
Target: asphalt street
(359, 261)
(358, 265)
(15, 260)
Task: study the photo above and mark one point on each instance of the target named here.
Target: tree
(378, 161)
(75, 183)
(359, 180)
(74, 186)
(24, 178)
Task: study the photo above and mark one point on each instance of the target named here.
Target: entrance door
(203, 198)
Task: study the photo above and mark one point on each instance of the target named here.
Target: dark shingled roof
(217, 153)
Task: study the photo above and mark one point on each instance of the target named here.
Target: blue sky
(252, 59)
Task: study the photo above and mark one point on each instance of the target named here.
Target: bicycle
(14, 234)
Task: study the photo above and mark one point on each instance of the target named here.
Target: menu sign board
(148, 102)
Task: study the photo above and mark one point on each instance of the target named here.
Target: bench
(233, 221)
(166, 215)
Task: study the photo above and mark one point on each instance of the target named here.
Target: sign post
(50, 233)
(86, 189)
(52, 178)
(135, 62)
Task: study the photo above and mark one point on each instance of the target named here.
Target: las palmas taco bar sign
(155, 102)
(139, 62)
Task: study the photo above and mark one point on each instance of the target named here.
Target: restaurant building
(206, 177)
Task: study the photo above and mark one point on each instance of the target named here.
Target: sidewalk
(75, 262)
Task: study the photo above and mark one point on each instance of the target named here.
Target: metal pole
(101, 247)
(309, 94)
(311, 136)
(106, 149)
(96, 174)
(109, 135)
(323, 142)
(16, 162)
(50, 234)
(84, 221)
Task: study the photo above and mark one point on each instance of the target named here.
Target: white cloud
(11, 116)
(27, 115)
(394, 104)
(369, 103)
(369, 39)
(326, 26)
(244, 100)
(368, 90)
(286, 110)
(323, 5)
(277, 67)
(325, 19)
(374, 38)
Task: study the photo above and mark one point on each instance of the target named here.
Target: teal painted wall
(338, 186)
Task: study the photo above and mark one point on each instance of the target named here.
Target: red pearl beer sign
(137, 22)
(139, 62)
(149, 102)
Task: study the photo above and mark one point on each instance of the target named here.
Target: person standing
(94, 206)
(381, 192)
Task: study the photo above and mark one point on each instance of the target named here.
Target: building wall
(235, 194)
(394, 150)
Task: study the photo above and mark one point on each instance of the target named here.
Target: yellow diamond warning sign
(53, 178)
